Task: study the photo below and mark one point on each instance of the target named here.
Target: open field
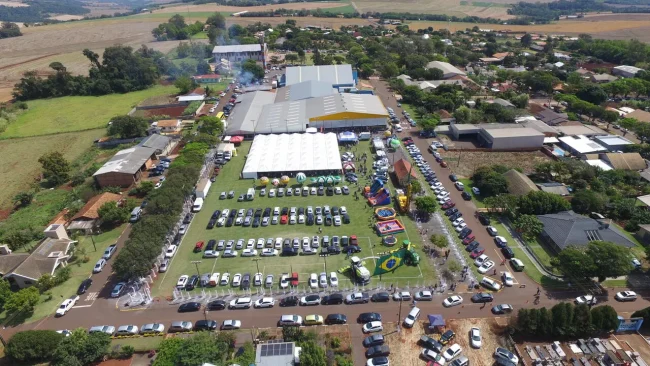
(453, 8)
(361, 225)
(211, 8)
(19, 165)
(470, 161)
(67, 114)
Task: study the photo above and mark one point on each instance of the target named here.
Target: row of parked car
(295, 215)
(159, 328)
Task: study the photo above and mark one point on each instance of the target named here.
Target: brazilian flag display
(389, 262)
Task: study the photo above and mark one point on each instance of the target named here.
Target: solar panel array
(276, 349)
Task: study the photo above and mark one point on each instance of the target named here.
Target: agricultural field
(19, 165)
(68, 114)
(361, 225)
(470, 161)
(211, 8)
(459, 8)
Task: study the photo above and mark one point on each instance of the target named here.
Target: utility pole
(92, 238)
(196, 263)
(399, 316)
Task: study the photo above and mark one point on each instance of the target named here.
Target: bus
(221, 116)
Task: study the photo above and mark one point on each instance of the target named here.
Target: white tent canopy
(292, 153)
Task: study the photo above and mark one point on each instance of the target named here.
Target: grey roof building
(336, 75)
(125, 167)
(554, 187)
(504, 103)
(244, 116)
(567, 228)
(158, 142)
(626, 71)
(448, 70)
(550, 117)
(305, 90)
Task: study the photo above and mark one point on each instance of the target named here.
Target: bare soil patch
(235, 9)
(13, 4)
(470, 161)
(66, 17)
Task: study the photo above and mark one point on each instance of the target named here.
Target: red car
(353, 240)
(443, 164)
(233, 100)
(284, 219)
(470, 238)
(198, 247)
(476, 252)
(294, 279)
(448, 205)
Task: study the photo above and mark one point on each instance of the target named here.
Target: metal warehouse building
(125, 167)
(511, 138)
(338, 76)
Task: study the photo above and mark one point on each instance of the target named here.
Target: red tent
(237, 139)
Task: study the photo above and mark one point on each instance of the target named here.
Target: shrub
(33, 346)
(335, 342)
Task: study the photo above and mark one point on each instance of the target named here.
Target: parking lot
(188, 262)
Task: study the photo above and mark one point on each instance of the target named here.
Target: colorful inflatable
(389, 227)
(385, 213)
(285, 179)
(264, 181)
(301, 178)
(381, 198)
(275, 182)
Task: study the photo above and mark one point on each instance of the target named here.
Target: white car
(99, 265)
(402, 296)
(322, 280)
(452, 352)
(625, 296)
(225, 212)
(268, 283)
(182, 281)
(313, 280)
(587, 299)
(241, 303)
(458, 221)
(183, 229)
(127, 330)
(210, 254)
(508, 280)
(460, 186)
(461, 226)
(443, 194)
(249, 253)
(66, 305)
(225, 279)
(486, 266)
(269, 252)
(229, 253)
(504, 353)
(230, 324)
(265, 302)
(236, 280)
(476, 191)
(424, 295)
(272, 192)
(334, 279)
(373, 327)
(475, 337)
(337, 220)
(490, 284)
(171, 251)
(433, 356)
(257, 279)
(284, 280)
(305, 242)
(452, 301)
(501, 241)
(482, 258)
(343, 210)
(221, 221)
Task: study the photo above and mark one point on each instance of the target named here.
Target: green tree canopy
(23, 300)
(529, 226)
(599, 259)
(586, 201)
(426, 204)
(56, 168)
(184, 84)
(490, 181)
(81, 348)
(33, 346)
(128, 127)
(211, 125)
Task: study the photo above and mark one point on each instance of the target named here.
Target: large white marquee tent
(288, 154)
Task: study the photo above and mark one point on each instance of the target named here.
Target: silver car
(152, 328)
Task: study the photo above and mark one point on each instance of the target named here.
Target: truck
(360, 274)
(250, 194)
(202, 188)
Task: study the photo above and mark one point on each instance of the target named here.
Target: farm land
(361, 226)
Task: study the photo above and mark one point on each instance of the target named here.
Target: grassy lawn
(361, 225)
(67, 114)
(477, 199)
(141, 344)
(80, 271)
(542, 252)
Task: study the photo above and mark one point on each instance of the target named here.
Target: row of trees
(164, 206)
(121, 70)
(8, 30)
(566, 320)
(533, 203)
(600, 259)
(176, 29)
(201, 348)
(80, 348)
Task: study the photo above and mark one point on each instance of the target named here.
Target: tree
(574, 262)
(250, 70)
(563, 319)
(582, 321)
(610, 259)
(586, 201)
(290, 58)
(211, 125)
(528, 226)
(604, 318)
(490, 181)
(439, 240)
(166, 355)
(23, 300)
(645, 314)
(128, 127)
(312, 354)
(23, 199)
(81, 348)
(5, 292)
(56, 168)
(429, 124)
(203, 68)
(542, 203)
(217, 20)
(592, 93)
(526, 39)
(111, 213)
(33, 346)
(426, 204)
(416, 186)
(200, 348)
(184, 84)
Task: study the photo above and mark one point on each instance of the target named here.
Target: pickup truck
(66, 305)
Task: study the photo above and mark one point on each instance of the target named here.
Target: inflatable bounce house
(377, 194)
(389, 240)
(402, 201)
(389, 227)
(385, 213)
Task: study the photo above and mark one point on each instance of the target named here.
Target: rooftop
(580, 129)
(333, 74)
(599, 164)
(627, 68)
(168, 123)
(518, 183)
(127, 161)
(567, 228)
(89, 211)
(402, 169)
(613, 140)
(238, 48)
(554, 187)
(305, 90)
(626, 161)
(512, 132)
(446, 67)
(639, 115)
(155, 141)
(582, 144)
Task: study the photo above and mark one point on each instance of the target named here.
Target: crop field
(361, 225)
(211, 8)
(19, 165)
(453, 8)
(67, 114)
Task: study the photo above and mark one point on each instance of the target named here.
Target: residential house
(626, 71)
(125, 167)
(171, 126)
(613, 142)
(554, 187)
(240, 53)
(448, 70)
(536, 47)
(207, 79)
(602, 78)
(502, 102)
(51, 253)
(163, 145)
(402, 169)
(568, 228)
(88, 217)
(644, 233)
(625, 161)
(518, 183)
(548, 116)
(580, 146)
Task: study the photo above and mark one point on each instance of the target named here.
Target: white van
(364, 136)
(413, 316)
(250, 194)
(135, 214)
(198, 205)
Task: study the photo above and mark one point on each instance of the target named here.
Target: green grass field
(361, 225)
(68, 114)
(80, 271)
